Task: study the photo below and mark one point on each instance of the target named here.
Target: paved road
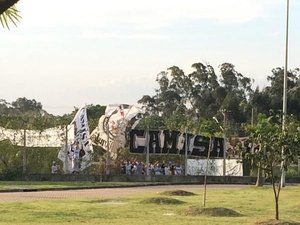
(102, 192)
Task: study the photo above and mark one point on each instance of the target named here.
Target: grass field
(251, 204)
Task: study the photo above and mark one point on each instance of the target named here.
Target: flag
(113, 126)
(80, 137)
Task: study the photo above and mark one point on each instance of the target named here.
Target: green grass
(252, 204)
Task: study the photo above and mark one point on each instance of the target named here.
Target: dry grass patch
(162, 201)
(276, 222)
(178, 193)
(215, 212)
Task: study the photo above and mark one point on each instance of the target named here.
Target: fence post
(186, 153)
(24, 155)
(66, 151)
(147, 152)
(107, 164)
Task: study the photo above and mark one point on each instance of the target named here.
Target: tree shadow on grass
(108, 201)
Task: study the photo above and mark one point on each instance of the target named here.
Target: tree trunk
(276, 195)
(298, 166)
(260, 181)
(277, 209)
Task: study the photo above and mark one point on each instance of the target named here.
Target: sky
(68, 53)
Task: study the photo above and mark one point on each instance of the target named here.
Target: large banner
(113, 126)
(77, 155)
(174, 142)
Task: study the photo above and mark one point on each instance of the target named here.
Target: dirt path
(101, 193)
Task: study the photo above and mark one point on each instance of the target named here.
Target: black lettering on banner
(218, 149)
(201, 146)
(170, 142)
(154, 142)
(188, 143)
(102, 142)
(134, 145)
(173, 142)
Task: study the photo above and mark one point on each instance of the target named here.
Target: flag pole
(284, 102)
(107, 171)
(66, 150)
(185, 153)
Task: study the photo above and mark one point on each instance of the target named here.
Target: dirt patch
(108, 201)
(162, 201)
(177, 193)
(215, 211)
(276, 222)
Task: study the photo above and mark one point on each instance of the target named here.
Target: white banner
(215, 167)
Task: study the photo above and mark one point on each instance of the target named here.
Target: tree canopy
(227, 95)
(8, 12)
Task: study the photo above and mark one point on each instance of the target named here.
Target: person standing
(76, 158)
(54, 167)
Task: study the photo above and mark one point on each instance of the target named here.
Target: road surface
(101, 192)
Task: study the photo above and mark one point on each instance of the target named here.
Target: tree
(10, 159)
(270, 98)
(237, 93)
(94, 112)
(209, 128)
(204, 91)
(24, 105)
(272, 145)
(200, 95)
(8, 12)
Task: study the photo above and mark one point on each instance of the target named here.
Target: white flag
(111, 131)
(80, 158)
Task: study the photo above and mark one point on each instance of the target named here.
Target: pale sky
(66, 53)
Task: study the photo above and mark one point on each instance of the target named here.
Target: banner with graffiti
(111, 131)
(174, 142)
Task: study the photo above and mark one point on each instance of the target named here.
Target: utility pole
(284, 101)
(224, 137)
(224, 142)
(107, 164)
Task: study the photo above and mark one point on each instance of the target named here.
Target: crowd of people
(140, 168)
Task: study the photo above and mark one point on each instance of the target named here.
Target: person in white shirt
(76, 158)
